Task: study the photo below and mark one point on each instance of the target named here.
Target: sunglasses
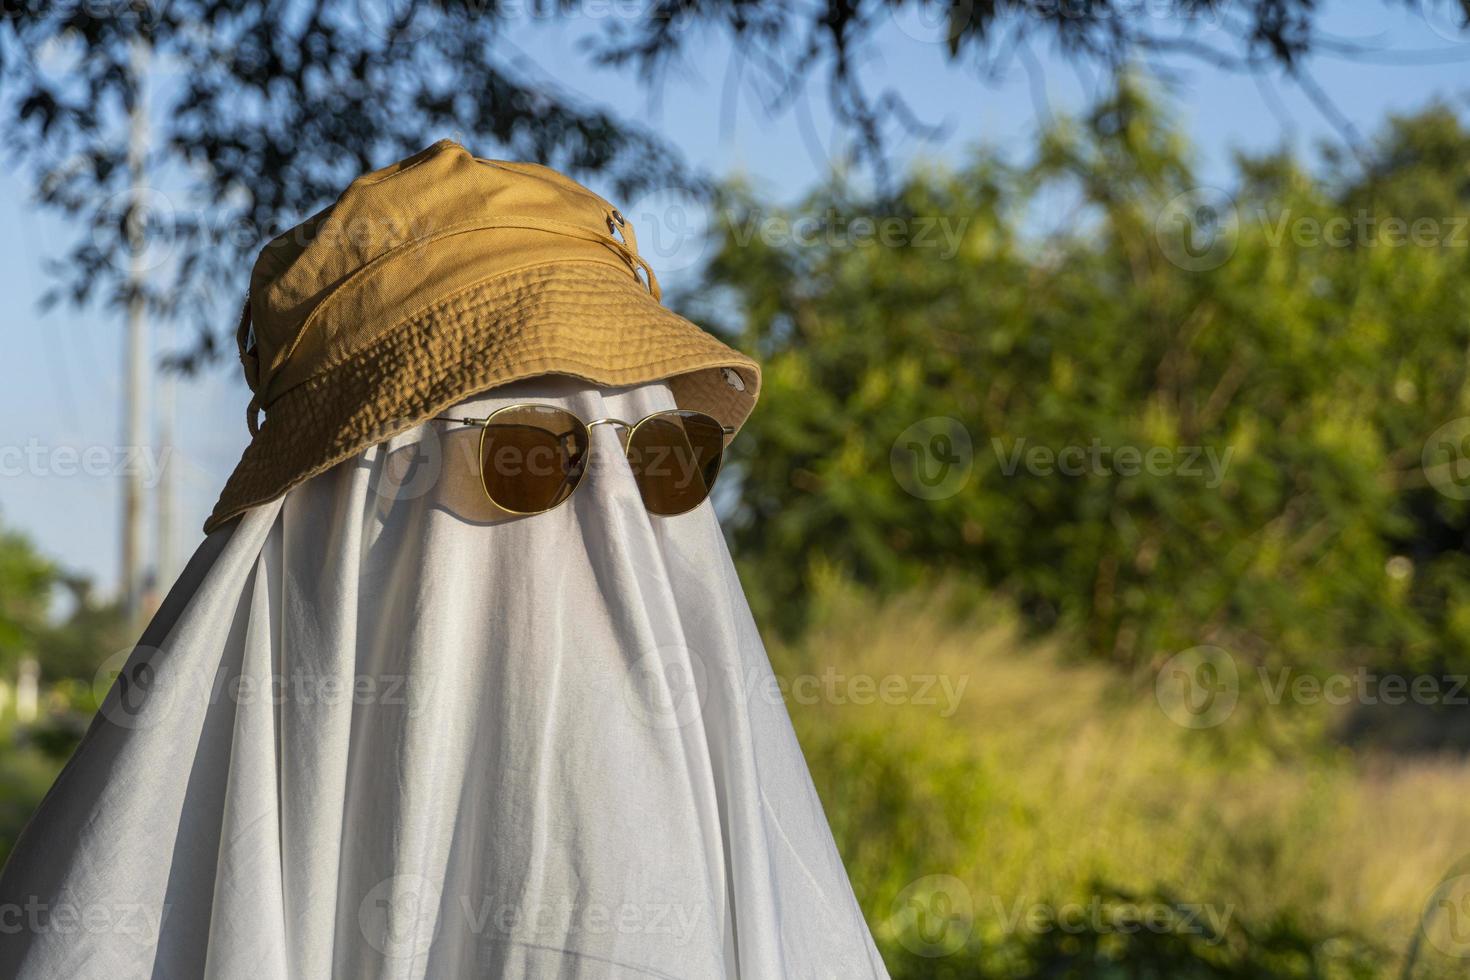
(532, 457)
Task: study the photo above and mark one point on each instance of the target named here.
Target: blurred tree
(76, 646)
(69, 650)
(1196, 416)
(26, 583)
(68, 647)
(26, 580)
(270, 107)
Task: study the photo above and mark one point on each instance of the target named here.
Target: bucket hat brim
(583, 319)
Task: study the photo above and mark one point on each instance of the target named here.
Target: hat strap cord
(250, 362)
(615, 220)
(252, 415)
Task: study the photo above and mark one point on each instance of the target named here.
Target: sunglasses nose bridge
(621, 428)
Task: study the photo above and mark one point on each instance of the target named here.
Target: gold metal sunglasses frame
(626, 441)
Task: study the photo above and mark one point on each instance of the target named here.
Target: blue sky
(63, 372)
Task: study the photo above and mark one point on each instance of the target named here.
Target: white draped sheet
(378, 731)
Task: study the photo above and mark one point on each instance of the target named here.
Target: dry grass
(1051, 777)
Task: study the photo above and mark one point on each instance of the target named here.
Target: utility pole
(136, 356)
(165, 565)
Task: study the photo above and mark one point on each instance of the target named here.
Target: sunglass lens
(675, 458)
(532, 456)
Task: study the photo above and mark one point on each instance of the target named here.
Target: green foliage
(75, 647)
(1285, 351)
(1050, 823)
(69, 653)
(269, 108)
(26, 773)
(25, 592)
(1129, 947)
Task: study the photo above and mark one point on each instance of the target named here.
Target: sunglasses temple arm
(729, 430)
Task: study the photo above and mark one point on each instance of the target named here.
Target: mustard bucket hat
(437, 278)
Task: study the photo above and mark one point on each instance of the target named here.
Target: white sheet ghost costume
(377, 733)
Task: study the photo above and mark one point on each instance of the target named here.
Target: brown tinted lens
(531, 457)
(675, 457)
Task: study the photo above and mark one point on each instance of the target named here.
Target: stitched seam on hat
(363, 181)
(445, 301)
(408, 249)
(678, 352)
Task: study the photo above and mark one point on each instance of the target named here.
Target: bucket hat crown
(439, 277)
